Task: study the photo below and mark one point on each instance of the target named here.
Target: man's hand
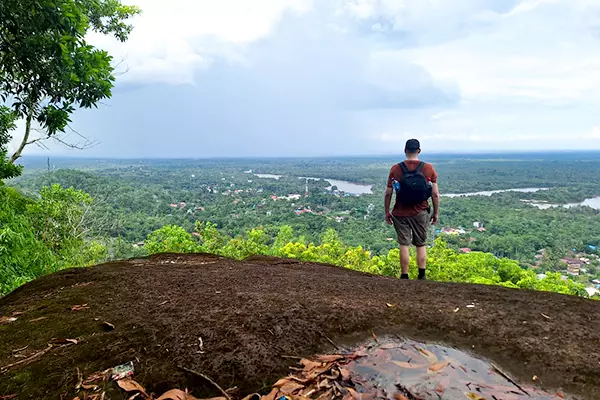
(388, 218)
(434, 219)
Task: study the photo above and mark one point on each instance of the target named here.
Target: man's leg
(419, 226)
(403, 230)
(404, 260)
(422, 261)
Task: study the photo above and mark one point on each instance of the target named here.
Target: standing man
(414, 182)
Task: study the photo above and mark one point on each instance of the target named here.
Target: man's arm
(435, 198)
(387, 200)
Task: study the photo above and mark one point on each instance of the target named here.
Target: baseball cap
(412, 145)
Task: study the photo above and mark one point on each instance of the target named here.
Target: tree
(170, 239)
(7, 123)
(47, 68)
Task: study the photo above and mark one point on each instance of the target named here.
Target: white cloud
(171, 39)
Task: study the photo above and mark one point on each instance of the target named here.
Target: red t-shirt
(396, 172)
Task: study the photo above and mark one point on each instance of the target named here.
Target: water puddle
(410, 370)
(393, 368)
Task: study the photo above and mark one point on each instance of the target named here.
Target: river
(342, 186)
(593, 202)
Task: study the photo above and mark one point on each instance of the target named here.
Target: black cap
(412, 145)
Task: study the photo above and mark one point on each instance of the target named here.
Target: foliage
(170, 239)
(47, 67)
(7, 123)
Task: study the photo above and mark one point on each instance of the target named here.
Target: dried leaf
(129, 385)
(345, 374)
(326, 396)
(90, 387)
(64, 341)
(398, 396)
(291, 387)
(37, 319)
(429, 356)
(561, 395)
(545, 316)
(355, 394)
(74, 398)
(281, 382)
(272, 395)
(438, 366)
(329, 357)
(439, 388)
(253, 396)
(471, 306)
(97, 376)
(389, 305)
(535, 378)
(177, 394)
(474, 396)
(10, 396)
(108, 326)
(7, 320)
(404, 364)
(80, 307)
(16, 314)
(309, 365)
(456, 309)
(375, 336)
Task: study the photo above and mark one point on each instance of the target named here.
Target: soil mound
(234, 321)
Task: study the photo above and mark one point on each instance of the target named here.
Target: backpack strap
(420, 166)
(405, 170)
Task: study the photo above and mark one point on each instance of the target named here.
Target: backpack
(414, 187)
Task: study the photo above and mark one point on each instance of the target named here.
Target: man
(414, 182)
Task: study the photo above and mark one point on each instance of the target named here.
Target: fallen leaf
(108, 326)
(6, 320)
(64, 341)
(291, 387)
(355, 394)
(398, 396)
(177, 394)
(404, 364)
(535, 378)
(326, 396)
(389, 305)
(329, 357)
(429, 356)
(456, 309)
(16, 314)
(463, 368)
(74, 398)
(345, 374)
(10, 396)
(97, 376)
(79, 380)
(281, 382)
(545, 316)
(309, 365)
(471, 306)
(90, 387)
(37, 319)
(375, 336)
(560, 394)
(129, 385)
(474, 396)
(272, 395)
(79, 307)
(438, 366)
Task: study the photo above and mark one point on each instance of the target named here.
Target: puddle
(393, 368)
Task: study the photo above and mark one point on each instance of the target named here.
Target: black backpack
(414, 187)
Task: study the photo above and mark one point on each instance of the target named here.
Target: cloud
(301, 77)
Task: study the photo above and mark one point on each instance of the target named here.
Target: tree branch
(24, 143)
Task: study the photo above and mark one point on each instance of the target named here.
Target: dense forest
(112, 209)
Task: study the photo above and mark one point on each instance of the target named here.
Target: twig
(292, 357)
(508, 378)
(206, 378)
(329, 340)
(28, 359)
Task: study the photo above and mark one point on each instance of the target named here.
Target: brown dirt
(251, 313)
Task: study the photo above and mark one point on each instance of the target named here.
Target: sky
(276, 78)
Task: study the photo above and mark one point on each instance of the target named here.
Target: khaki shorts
(412, 229)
